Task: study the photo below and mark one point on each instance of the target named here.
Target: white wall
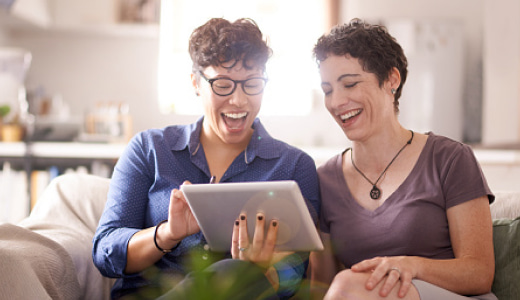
(502, 77)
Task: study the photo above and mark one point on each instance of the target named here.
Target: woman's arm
(142, 251)
(471, 272)
(323, 267)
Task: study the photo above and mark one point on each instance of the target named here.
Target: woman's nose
(337, 99)
(238, 98)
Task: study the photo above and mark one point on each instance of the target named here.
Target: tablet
(217, 206)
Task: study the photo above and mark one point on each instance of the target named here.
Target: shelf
(12, 149)
(109, 30)
(141, 31)
(32, 17)
(63, 150)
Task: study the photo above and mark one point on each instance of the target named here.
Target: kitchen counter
(63, 150)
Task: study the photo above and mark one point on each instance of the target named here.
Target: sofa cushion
(506, 240)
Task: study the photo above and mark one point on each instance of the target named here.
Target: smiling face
(228, 119)
(354, 97)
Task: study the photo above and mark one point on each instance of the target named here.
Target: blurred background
(81, 77)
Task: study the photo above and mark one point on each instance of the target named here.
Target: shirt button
(206, 247)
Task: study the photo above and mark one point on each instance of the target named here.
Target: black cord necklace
(375, 192)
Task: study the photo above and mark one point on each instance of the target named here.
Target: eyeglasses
(226, 86)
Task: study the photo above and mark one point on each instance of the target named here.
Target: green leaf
(4, 110)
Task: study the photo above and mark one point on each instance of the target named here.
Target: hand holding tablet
(217, 206)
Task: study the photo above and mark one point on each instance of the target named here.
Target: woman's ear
(394, 79)
(195, 84)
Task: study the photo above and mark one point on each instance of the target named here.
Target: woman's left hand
(261, 250)
(391, 270)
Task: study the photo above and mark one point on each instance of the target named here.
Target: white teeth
(350, 114)
(235, 115)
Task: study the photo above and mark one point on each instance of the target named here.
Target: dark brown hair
(378, 52)
(221, 43)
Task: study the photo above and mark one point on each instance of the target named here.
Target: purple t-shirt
(412, 220)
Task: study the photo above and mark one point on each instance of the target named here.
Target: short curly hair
(378, 52)
(221, 43)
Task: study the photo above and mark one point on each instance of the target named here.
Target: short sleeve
(462, 178)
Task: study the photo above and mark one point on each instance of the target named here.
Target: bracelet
(155, 239)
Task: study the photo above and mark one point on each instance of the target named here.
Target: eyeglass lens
(224, 86)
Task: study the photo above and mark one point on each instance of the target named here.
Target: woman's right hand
(181, 222)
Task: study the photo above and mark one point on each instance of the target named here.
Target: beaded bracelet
(155, 239)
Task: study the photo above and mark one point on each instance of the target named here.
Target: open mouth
(234, 121)
(350, 114)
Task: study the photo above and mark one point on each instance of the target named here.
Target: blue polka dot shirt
(159, 160)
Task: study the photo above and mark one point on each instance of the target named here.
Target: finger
(181, 194)
(174, 201)
(406, 284)
(270, 240)
(366, 265)
(377, 275)
(243, 238)
(258, 238)
(391, 279)
(234, 240)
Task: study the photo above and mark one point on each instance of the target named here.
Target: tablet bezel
(217, 206)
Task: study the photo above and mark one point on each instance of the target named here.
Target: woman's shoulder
(443, 143)
(331, 165)
(173, 136)
(443, 148)
(168, 130)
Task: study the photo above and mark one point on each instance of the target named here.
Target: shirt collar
(261, 143)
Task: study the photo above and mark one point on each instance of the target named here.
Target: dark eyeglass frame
(235, 83)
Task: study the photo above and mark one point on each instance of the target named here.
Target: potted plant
(11, 131)
(4, 111)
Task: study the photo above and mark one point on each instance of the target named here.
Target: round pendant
(375, 193)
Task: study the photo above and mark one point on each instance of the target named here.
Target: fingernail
(275, 223)
(242, 217)
(236, 222)
(260, 217)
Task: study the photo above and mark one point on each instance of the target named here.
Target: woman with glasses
(147, 236)
(404, 215)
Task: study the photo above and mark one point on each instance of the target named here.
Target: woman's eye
(349, 85)
(327, 89)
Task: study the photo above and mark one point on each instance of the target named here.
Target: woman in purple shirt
(404, 215)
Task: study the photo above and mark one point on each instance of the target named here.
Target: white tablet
(217, 206)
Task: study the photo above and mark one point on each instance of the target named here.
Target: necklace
(375, 192)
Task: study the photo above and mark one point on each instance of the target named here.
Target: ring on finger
(242, 249)
(395, 269)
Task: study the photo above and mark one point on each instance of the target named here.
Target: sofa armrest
(506, 205)
(68, 213)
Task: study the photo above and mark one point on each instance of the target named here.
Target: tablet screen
(217, 206)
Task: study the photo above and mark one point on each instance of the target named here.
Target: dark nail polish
(237, 222)
(275, 223)
(260, 217)
(242, 217)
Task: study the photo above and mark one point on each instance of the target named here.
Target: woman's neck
(219, 154)
(376, 151)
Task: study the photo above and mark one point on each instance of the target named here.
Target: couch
(48, 255)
